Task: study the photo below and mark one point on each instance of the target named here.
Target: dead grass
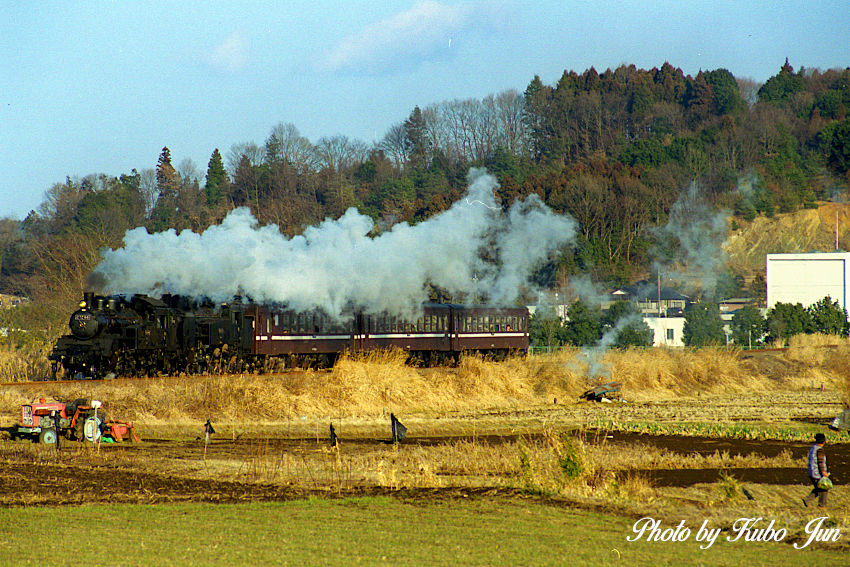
(377, 383)
(24, 363)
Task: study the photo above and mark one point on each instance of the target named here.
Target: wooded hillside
(615, 150)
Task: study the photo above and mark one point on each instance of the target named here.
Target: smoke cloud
(473, 249)
(693, 235)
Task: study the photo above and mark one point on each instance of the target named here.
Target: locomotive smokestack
(88, 297)
(96, 282)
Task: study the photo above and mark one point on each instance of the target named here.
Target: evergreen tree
(635, 333)
(703, 326)
(217, 182)
(748, 326)
(168, 185)
(727, 97)
(167, 179)
(415, 140)
(785, 320)
(583, 327)
(828, 317)
(544, 328)
(535, 116)
(782, 86)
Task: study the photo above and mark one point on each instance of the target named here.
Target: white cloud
(231, 55)
(426, 30)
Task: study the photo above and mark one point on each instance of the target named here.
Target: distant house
(734, 304)
(667, 331)
(649, 300)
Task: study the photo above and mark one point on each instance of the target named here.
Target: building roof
(648, 291)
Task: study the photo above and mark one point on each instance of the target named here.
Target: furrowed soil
(78, 474)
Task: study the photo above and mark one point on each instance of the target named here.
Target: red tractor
(79, 420)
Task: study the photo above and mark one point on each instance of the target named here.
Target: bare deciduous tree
(340, 152)
(286, 145)
(254, 153)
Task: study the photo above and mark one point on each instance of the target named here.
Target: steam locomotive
(144, 336)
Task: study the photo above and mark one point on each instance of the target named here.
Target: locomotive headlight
(82, 305)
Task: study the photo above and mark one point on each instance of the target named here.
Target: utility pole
(659, 294)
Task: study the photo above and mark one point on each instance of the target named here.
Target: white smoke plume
(590, 360)
(472, 249)
(697, 232)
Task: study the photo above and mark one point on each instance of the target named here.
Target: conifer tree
(217, 181)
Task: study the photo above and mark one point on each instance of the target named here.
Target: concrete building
(667, 331)
(808, 278)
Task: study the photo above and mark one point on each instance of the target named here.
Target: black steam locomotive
(144, 336)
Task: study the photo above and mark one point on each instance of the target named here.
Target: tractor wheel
(91, 429)
(47, 436)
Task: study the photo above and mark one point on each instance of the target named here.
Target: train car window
(335, 327)
(468, 325)
(479, 324)
(268, 326)
(420, 325)
(276, 320)
(488, 324)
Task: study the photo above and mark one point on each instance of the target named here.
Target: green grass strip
(366, 530)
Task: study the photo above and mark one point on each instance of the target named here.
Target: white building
(808, 278)
(667, 331)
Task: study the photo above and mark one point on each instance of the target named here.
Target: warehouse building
(808, 278)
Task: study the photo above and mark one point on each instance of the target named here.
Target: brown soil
(838, 459)
(56, 482)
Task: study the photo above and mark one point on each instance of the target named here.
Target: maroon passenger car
(441, 331)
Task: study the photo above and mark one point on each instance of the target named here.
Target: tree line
(618, 326)
(613, 149)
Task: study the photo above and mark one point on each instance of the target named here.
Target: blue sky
(102, 87)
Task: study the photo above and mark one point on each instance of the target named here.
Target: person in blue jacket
(816, 469)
